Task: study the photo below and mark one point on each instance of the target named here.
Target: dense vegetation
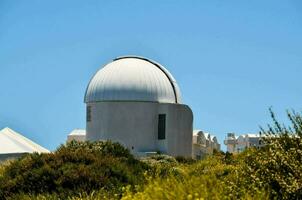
(278, 166)
(105, 170)
(74, 168)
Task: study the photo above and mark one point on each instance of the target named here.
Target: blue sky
(232, 59)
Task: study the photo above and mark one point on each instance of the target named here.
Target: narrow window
(161, 126)
(88, 114)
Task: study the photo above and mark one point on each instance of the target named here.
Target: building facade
(237, 144)
(77, 135)
(204, 144)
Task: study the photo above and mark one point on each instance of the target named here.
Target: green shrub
(105, 170)
(185, 160)
(161, 165)
(277, 166)
(74, 168)
(206, 179)
(3, 165)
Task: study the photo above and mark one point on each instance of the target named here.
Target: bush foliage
(105, 170)
(277, 167)
(74, 168)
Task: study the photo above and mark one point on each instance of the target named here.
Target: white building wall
(204, 144)
(77, 135)
(135, 125)
(239, 144)
(78, 138)
(179, 128)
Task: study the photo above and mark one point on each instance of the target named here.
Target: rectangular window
(88, 114)
(161, 126)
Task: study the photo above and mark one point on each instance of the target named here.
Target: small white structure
(237, 144)
(77, 135)
(231, 142)
(13, 145)
(204, 144)
(137, 102)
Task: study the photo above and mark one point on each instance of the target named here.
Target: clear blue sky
(232, 59)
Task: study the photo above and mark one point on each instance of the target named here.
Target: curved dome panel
(133, 78)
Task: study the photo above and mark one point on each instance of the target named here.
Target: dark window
(161, 126)
(88, 114)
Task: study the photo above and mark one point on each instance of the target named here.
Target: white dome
(133, 78)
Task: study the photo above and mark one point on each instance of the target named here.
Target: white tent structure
(13, 145)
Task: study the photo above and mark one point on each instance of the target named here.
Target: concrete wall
(79, 138)
(135, 125)
(179, 129)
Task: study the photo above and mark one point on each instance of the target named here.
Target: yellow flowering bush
(206, 179)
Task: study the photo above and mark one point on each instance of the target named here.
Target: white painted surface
(133, 78)
(77, 135)
(135, 125)
(204, 144)
(237, 144)
(12, 142)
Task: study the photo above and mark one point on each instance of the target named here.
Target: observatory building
(137, 102)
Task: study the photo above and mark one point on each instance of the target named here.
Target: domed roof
(132, 78)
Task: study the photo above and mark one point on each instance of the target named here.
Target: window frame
(88, 114)
(161, 128)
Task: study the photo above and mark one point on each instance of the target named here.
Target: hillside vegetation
(106, 170)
